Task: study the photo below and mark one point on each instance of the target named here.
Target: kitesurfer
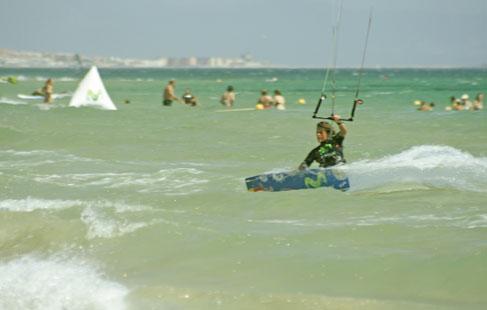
(330, 150)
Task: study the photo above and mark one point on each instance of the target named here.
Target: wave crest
(421, 166)
(32, 282)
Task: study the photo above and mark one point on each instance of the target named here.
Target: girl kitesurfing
(330, 151)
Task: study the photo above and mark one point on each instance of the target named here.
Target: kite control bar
(356, 101)
(352, 114)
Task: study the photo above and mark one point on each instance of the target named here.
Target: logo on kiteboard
(320, 180)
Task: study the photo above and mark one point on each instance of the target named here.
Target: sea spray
(57, 282)
(426, 165)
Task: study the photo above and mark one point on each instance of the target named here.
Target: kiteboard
(38, 97)
(298, 179)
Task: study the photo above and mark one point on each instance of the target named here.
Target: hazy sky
(285, 32)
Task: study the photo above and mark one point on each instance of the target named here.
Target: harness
(330, 154)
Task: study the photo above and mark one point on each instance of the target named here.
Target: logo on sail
(92, 96)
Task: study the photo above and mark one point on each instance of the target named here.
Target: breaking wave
(57, 282)
(103, 219)
(429, 166)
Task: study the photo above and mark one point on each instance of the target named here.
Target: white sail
(92, 92)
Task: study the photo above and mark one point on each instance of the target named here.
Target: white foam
(480, 221)
(44, 153)
(57, 282)
(174, 181)
(104, 219)
(102, 225)
(425, 165)
(32, 204)
(13, 160)
(25, 153)
(46, 106)
(463, 221)
(66, 79)
(137, 80)
(11, 101)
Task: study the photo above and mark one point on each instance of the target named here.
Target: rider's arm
(307, 161)
(343, 130)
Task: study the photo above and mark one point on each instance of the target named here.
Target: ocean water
(146, 207)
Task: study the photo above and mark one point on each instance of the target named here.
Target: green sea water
(146, 207)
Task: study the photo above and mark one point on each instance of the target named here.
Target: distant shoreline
(243, 69)
(14, 59)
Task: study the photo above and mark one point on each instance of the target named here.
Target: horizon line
(376, 67)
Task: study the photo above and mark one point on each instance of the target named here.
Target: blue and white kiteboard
(292, 180)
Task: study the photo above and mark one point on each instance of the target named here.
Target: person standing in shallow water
(330, 150)
(465, 100)
(265, 100)
(189, 99)
(478, 103)
(279, 101)
(424, 106)
(169, 94)
(228, 97)
(47, 91)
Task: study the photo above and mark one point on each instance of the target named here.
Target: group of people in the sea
(464, 103)
(329, 152)
(265, 101)
(456, 104)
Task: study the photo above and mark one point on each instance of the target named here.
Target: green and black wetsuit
(328, 153)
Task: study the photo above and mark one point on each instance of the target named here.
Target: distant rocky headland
(26, 59)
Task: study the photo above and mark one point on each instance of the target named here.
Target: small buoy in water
(302, 101)
(126, 101)
(12, 80)
(259, 106)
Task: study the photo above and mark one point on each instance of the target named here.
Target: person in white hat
(467, 104)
